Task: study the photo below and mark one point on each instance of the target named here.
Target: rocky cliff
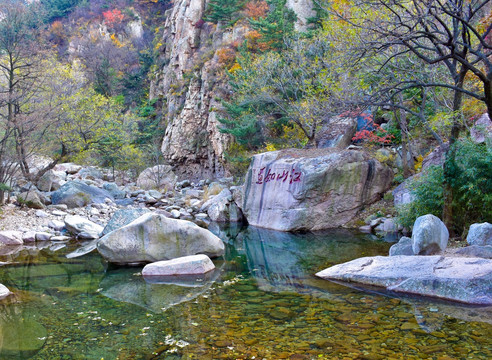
(191, 82)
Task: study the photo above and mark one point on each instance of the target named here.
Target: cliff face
(191, 83)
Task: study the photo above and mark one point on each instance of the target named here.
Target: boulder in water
(154, 237)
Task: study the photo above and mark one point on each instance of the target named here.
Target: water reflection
(158, 294)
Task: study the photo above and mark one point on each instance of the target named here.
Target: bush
(427, 191)
(468, 173)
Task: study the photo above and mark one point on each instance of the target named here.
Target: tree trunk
(402, 121)
(447, 212)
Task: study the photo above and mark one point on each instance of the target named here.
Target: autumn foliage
(113, 17)
(256, 9)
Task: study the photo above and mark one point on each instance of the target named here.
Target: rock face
(153, 237)
(186, 265)
(76, 194)
(480, 234)
(157, 177)
(311, 189)
(467, 280)
(429, 236)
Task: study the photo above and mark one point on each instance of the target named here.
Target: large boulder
(153, 237)
(69, 168)
(186, 265)
(463, 279)
(480, 234)
(157, 177)
(337, 133)
(114, 190)
(315, 189)
(77, 194)
(11, 237)
(429, 235)
(51, 180)
(123, 217)
(82, 227)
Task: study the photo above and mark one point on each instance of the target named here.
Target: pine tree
(278, 24)
(224, 10)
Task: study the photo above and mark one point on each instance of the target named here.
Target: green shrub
(427, 191)
(469, 173)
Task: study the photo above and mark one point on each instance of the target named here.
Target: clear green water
(262, 302)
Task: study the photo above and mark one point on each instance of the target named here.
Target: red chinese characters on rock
(293, 176)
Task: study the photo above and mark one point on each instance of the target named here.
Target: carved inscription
(264, 176)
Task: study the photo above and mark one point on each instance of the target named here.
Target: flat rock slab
(464, 279)
(186, 265)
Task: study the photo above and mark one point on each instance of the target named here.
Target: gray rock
(123, 217)
(124, 202)
(4, 292)
(484, 252)
(69, 168)
(31, 199)
(41, 214)
(155, 194)
(183, 184)
(79, 226)
(337, 132)
(429, 236)
(11, 237)
(186, 265)
(215, 188)
(365, 229)
(482, 129)
(77, 194)
(390, 226)
(91, 173)
(402, 194)
(43, 236)
(157, 177)
(175, 214)
(114, 190)
(467, 280)
(154, 237)
(60, 238)
(222, 208)
(436, 157)
(292, 190)
(50, 181)
(480, 234)
(29, 236)
(403, 247)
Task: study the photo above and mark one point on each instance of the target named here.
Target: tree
(223, 10)
(301, 86)
(21, 82)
